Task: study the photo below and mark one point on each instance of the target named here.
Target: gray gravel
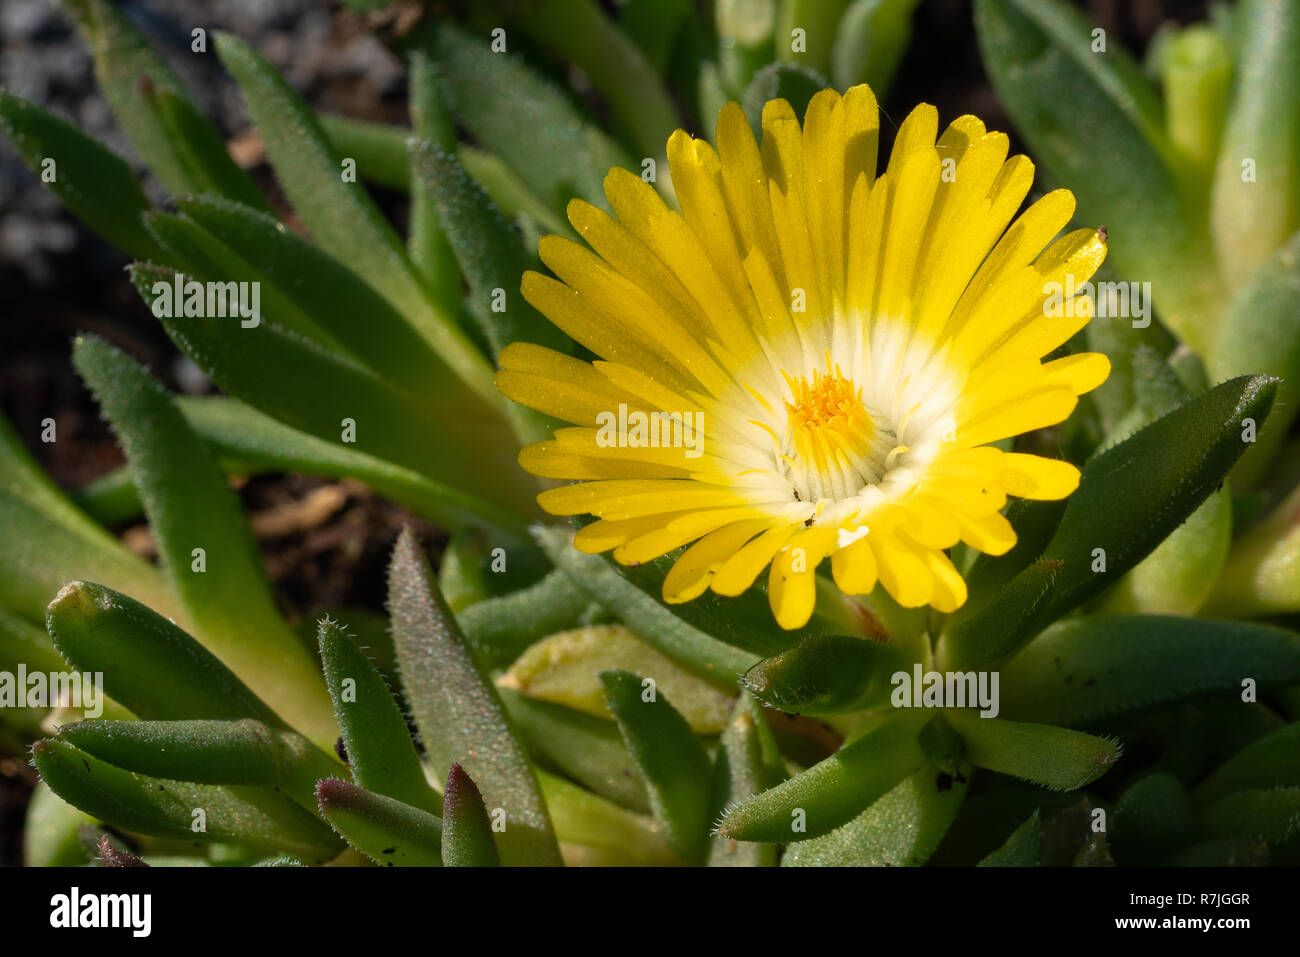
(42, 59)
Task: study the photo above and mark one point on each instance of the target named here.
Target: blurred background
(325, 543)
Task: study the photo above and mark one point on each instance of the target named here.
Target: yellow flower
(811, 360)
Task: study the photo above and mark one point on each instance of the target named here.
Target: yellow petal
(690, 575)
(1031, 476)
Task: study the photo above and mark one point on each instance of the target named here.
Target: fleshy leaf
(200, 151)
(466, 831)
(149, 665)
(597, 832)
(1083, 671)
(1255, 203)
(830, 674)
(390, 833)
(95, 183)
(1271, 815)
(256, 442)
(1260, 332)
(1053, 757)
(488, 248)
(459, 714)
(833, 791)
(671, 759)
(209, 553)
(659, 624)
(1270, 761)
(1024, 848)
(500, 629)
(590, 750)
(1130, 498)
(50, 541)
(380, 752)
(902, 829)
(740, 772)
(129, 72)
(579, 32)
(563, 668)
(534, 120)
(242, 751)
(870, 42)
(315, 391)
(1048, 72)
(252, 817)
(342, 218)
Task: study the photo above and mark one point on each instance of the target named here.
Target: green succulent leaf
(872, 37)
(426, 242)
(1260, 332)
(534, 120)
(95, 183)
(149, 665)
(50, 833)
(489, 249)
(240, 751)
(672, 761)
(739, 772)
(253, 817)
(745, 41)
(199, 150)
(587, 749)
(579, 32)
(902, 829)
(835, 790)
(595, 831)
(315, 391)
(252, 441)
(458, 712)
(342, 218)
(1053, 757)
(328, 295)
(23, 642)
(1271, 815)
(563, 668)
(1034, 524)
(500, 629)
(1131, 497)
(466, 831)
(378, 148)
(656, 26)
(131, 73)
(209, 553)
(826, 674)
(1024, 848)
(1084, 671)
(819, 21)
(390, 833)
(50, 541)
(1048, 70)
(1251, 216)
(1152, 819)
(1270, 761)
(380, 752)
(662, 626)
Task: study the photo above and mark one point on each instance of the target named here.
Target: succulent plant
(1029, 683)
